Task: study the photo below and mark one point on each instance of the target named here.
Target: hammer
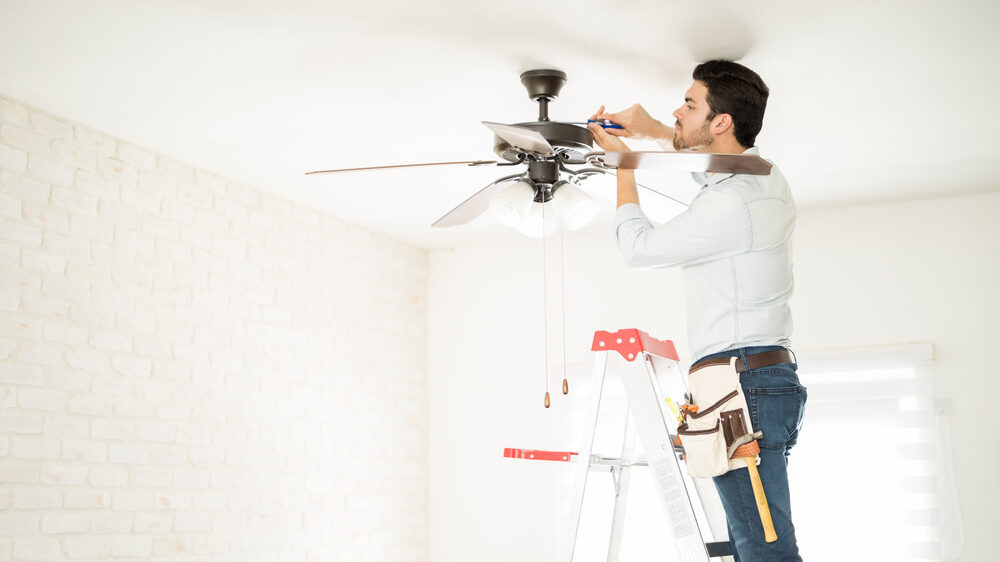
(745, 446)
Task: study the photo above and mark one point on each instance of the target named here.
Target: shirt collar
(706, 179)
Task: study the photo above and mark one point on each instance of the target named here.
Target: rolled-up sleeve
(716, 225)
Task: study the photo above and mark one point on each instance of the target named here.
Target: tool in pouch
(717, 434)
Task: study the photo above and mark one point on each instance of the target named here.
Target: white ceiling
(870, 101)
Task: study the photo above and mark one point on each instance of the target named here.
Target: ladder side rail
(649, 408)
(581, 471)
(622, 485)
(711, 513)
(672, 383)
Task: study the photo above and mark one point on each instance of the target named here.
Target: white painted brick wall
(192, 369)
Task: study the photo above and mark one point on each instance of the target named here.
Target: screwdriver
(606, 123)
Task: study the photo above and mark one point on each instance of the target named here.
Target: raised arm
(627, 192)
(638, 124)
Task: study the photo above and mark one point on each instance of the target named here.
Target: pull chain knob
(565, 386)
(547, 401)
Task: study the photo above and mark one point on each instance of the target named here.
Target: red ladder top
(630, 341)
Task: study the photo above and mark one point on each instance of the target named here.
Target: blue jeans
(776, 402)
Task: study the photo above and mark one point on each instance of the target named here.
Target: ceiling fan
(553, 158)
(558, 156)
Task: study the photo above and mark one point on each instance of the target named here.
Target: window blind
(866, 475)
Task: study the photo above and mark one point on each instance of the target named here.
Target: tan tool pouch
(714, 389)
(704, 450)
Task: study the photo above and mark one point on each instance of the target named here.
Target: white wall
(879, 274)
(193, 370)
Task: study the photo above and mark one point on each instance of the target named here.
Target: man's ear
(721, 123)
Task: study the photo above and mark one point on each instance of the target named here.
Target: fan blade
(473, 206)
(521, 137)
(469, 162)
(689, 162)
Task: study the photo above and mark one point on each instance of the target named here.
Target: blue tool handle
(606, 123)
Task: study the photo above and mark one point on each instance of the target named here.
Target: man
(734, 246)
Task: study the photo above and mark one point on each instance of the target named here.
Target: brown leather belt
(755, 361)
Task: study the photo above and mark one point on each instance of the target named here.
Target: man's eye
(690, 107)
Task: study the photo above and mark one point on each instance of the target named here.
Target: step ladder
(650, 372)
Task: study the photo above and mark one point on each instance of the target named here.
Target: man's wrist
(656, 131)
(627, 192)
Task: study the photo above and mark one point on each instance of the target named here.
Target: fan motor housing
(543, 85)
(574, 139)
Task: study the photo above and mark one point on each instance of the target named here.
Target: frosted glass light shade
(533, 224)
(576, 207)
(511, 204)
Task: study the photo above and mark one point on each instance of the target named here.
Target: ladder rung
(598, 462)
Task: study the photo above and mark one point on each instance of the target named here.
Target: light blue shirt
(734, 247)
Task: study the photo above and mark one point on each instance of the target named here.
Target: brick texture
(192, 369)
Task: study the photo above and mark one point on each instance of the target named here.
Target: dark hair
(738, 91)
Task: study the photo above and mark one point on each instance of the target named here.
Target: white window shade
(866, 476)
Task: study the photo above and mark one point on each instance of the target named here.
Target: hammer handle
(758, 495)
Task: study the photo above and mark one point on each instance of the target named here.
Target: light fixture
(574, 205)
(511, 204)
(538, 210)
(540, 221)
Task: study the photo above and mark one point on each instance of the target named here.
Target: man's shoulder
(751, 187)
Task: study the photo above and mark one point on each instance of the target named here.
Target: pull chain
(562, 283)
(545, 308)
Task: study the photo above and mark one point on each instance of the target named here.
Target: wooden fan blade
(521, 137)
(689, 162)
(473, 206)
(467, 162)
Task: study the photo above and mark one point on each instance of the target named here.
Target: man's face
(691, 131)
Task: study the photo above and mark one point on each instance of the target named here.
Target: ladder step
(718, 549)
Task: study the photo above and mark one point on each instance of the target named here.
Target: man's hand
(607, 142)
(636, 123)
(627, 192)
